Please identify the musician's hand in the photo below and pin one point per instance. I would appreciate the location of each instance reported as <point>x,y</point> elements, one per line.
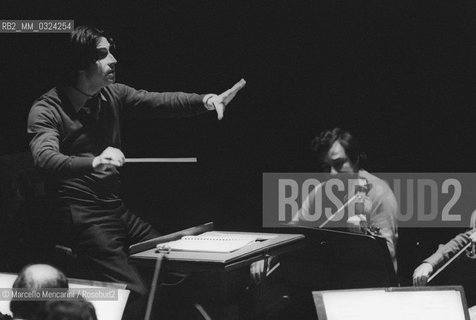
<point>109,157</point>
<point>472,236</point>
<point>354,224</point>
<point>257,271</point>
<point>219,102</point>
<point>421,274</point>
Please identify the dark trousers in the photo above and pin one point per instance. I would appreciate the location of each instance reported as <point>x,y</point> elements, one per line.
<point>101,238</point>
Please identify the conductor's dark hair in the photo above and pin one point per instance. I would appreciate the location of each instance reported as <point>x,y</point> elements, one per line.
<point>80,52</point>
<point>322,143</point>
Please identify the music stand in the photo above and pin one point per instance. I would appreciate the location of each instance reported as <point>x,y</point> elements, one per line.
<point>332,259</point>
<point>409,303</point>
<point>219,280</point>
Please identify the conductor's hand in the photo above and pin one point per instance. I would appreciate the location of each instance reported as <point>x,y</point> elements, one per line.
<point>219,102</point>
<point>109,157</point>
<point>421,274</point>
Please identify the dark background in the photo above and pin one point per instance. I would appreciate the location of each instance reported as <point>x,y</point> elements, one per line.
<point>398,74</point>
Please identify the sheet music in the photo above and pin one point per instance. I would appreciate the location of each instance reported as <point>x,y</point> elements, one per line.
<point>213,241</point>
<point>381,304</point>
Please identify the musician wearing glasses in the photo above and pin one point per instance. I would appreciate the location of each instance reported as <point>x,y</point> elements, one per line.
<point>76,142</point>
<point>338,152</point>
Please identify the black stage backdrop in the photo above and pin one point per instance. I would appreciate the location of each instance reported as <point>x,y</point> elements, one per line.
<point>398,74</point>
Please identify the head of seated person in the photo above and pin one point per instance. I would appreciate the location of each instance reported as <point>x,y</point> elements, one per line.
<point>77,309</point>
<point>338,152</point>
<point>36,276</point>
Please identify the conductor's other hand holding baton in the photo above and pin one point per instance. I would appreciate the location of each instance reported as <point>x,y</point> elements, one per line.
<point>109,157</point>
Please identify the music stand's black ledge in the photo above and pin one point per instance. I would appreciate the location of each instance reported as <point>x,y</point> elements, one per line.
<point>144,253</point>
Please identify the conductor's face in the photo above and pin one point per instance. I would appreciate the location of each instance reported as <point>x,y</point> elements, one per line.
<point>338,160</point>
<point>102,72</point>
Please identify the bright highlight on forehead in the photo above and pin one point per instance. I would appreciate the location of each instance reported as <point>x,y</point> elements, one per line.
<point>337,151</point>
<point>103,43</point>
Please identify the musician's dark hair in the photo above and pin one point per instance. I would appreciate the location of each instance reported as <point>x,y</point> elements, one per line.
<point>80,52</point>
<point>322,143</point>
<point>74,309</point>
<point>29,280</point>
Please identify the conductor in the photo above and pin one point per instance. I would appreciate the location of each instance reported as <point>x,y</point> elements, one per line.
<point>75,133</point>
